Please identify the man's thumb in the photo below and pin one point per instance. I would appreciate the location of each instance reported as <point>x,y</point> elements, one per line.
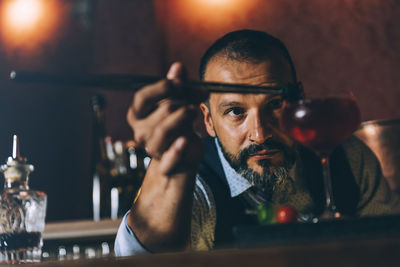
<point>176,71</point>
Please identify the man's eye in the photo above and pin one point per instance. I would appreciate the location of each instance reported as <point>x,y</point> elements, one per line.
<point>234,111</point>
<point>275,103</point>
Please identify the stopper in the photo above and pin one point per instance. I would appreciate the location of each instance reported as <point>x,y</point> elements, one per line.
<point>16,164</point>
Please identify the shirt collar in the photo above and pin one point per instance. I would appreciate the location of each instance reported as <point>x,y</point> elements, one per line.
<point>237,183</point>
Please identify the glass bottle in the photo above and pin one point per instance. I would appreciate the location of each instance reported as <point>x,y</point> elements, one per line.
<point>100,163</point>
<point>136,173</point>
<point>127,176</point>
<point>22,212</point>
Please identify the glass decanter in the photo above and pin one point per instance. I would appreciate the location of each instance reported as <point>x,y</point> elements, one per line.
<point>22,212</point>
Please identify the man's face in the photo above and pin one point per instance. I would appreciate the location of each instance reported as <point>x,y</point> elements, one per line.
<point>247,125</point>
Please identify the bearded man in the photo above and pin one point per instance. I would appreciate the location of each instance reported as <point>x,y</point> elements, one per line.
<point>196,190</point>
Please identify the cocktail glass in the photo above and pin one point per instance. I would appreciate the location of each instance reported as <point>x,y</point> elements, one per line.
<point>321,124</point>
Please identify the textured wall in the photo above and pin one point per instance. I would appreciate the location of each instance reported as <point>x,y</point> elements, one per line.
<point>338,44</point>
<point>125,41</point>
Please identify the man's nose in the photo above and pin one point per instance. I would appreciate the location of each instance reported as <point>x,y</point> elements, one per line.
<point>259,130</point>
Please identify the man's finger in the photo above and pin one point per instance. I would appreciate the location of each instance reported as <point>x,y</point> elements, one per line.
<point>143,129</point>
<point>173,155</point>
<point>177,71</point>
<point>177,123</point>
<point>147,98</point>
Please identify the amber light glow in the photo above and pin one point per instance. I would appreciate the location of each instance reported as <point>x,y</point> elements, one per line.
<point>215,5</point>
<point>216,2</point>
<point>214,14</point>
<point>26,23</point>
<point>24,14</point>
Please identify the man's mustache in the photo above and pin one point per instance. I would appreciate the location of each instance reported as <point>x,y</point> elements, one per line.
<point>269,144</point>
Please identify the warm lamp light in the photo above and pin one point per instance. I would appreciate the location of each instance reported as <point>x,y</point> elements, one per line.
<point>28,23</point>
<point>217,14</point>
<point>23,14</point>
<point>217,2</point>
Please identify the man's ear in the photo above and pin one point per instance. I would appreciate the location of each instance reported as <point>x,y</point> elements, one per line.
<point>208,120</point>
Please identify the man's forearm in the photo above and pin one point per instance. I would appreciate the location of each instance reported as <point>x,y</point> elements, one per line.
<point>161,217</point>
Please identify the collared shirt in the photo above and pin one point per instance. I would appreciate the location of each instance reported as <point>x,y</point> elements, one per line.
<point>237,183</point>
<point>203,215</point>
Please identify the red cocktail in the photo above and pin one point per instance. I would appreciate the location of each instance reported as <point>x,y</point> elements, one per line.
<point>321,124</point>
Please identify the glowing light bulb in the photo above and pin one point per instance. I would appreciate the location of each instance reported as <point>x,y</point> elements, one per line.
<point>217,2</point>
<point>27,24</point>
<point>24,14</point>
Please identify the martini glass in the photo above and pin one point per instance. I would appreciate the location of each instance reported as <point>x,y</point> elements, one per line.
<point>321,124</point>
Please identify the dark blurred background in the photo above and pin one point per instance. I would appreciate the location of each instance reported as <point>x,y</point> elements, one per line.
<point>338,44</point>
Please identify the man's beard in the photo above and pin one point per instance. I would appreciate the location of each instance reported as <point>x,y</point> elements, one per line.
<point>271,176</point>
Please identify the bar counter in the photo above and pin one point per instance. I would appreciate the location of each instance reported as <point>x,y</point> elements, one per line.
<point>369,241</point>
<point>377,252</point>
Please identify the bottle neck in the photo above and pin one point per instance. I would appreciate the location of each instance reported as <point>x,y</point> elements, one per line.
<point>21,184</point>
<point>99,135</point>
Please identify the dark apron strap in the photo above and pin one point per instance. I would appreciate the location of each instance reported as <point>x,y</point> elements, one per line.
<point>230,211</point>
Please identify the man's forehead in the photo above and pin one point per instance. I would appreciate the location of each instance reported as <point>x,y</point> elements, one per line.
<point>269,72</point>
<point>227,99</point>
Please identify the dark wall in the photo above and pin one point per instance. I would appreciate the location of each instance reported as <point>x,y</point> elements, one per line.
<point>352,45</point>
<point>126,40</point>
<point>54,123</point>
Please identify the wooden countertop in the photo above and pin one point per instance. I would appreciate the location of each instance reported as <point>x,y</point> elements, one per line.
<point>377,252</point>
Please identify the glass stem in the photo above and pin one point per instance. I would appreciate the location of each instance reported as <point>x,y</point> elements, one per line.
<point>330,208</point>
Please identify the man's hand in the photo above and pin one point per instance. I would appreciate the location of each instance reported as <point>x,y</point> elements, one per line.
<point>161,117</point>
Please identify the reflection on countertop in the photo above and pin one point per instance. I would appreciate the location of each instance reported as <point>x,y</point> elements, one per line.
<point>79,239</point>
